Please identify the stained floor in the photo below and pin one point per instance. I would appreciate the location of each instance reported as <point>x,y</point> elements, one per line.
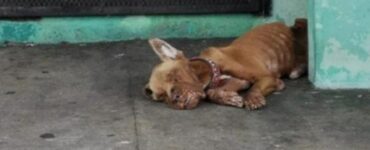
<point>89,96</point>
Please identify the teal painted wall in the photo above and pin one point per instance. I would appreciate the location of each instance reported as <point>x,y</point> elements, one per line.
<point>340,48</point>
<point>99,29</point>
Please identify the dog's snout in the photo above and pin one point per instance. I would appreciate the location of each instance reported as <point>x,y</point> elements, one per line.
<point>147,91</point>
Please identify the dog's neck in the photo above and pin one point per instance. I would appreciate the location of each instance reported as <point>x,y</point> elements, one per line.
<point>207,72</point>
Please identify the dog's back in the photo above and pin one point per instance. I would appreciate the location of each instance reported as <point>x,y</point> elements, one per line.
<point>268,49</point>
<point>270,45</point>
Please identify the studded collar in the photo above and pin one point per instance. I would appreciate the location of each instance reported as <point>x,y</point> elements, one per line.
<point>216,72</point>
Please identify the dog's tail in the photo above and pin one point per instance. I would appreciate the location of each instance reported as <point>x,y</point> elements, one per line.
<point>300,24</point>
<point>300,32</point>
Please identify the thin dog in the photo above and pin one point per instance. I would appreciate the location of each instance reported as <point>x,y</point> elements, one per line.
<point>257,60</point>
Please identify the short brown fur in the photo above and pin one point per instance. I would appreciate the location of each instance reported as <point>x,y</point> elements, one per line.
<point>259,58</point>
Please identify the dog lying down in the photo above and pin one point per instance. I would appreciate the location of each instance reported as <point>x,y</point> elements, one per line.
<point>257,60</point>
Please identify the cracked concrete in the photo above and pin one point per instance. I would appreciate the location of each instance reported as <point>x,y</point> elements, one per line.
<point>88,96</point>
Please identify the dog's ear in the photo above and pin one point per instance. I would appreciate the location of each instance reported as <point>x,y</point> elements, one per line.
<point>164,50</point>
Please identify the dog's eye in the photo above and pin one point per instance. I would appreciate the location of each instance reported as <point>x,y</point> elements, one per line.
<point>172,78</point>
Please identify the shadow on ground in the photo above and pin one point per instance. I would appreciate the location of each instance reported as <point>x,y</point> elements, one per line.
<point>89,97</point>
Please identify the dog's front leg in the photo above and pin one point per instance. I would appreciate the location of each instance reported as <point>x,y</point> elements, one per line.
<point>264,86</point>
<point>227,94</point>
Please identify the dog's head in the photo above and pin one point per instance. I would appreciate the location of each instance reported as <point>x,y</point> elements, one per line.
<point>174,80</point>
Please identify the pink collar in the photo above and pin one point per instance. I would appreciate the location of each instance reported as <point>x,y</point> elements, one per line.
<point>216,72</point>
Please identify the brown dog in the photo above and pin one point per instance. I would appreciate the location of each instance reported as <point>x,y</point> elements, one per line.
<point>259,58</point>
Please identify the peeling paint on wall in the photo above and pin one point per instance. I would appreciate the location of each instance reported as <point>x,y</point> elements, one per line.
<point>288,10</point>
<point>341,65</point>
<point>341,38</point>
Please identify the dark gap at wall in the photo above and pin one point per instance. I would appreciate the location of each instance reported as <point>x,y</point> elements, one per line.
<point>38,8</point>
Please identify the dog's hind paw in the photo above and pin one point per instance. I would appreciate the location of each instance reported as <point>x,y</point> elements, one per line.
<point>298,71</point>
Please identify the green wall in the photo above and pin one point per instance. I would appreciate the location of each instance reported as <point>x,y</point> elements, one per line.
<point>98,29</point>
<point>340,48</point>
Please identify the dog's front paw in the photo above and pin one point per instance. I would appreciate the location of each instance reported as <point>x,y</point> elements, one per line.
<point>226,98</point>
<point>232,99</point>
<point>254,100</point>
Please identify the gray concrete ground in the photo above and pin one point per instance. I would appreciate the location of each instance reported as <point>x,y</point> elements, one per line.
<point>88,97</point>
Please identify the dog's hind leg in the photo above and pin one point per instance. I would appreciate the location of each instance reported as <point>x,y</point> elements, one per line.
<point>298,71</point>
<point>233,84</point>
<point>227,94</point>
<point>263,87</point>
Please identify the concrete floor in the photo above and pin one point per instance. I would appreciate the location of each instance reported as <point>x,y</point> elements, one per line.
<point>88,97</point>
